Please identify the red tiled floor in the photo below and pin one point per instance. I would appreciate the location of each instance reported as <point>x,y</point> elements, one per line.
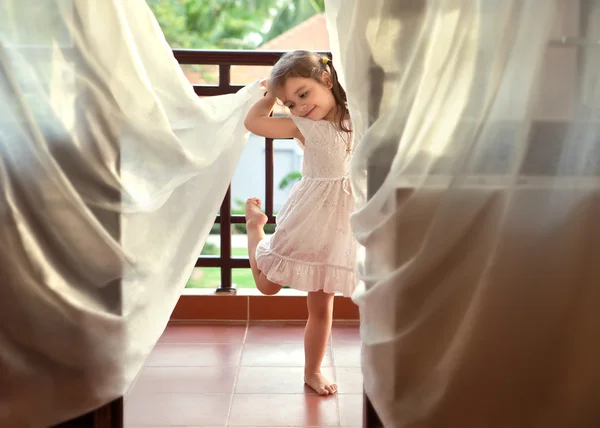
<point>177,409</point>
<point>346,354</point>
<point>176,354</point>
<point>275,333</point>
<point>350,380</point>
<point>277,355</point>
<point>351,409</point>
<point>345,333</point>
<point>202,333</point>
<point>282,410</point>
<point>190,376</point>
<point>186,380</point>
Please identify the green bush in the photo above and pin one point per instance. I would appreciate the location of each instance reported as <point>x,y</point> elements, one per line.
<point>210,249</point>
<point>238,228</point>
<point>290,179</point>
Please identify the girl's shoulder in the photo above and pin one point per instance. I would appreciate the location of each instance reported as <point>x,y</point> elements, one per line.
<point>314,128</point>
<point>304,125</point>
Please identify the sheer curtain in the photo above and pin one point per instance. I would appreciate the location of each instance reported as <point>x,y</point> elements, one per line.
<point>476,175</point>
<point>112,172</point>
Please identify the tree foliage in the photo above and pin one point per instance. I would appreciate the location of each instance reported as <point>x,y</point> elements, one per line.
<point>290,179</point>
<point>229,24</point>
<point>291,13</point>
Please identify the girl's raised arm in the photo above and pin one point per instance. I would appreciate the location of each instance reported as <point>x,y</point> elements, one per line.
<point>260,123</point>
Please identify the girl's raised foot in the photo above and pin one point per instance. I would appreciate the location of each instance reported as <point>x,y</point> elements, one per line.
<point>254,216</point>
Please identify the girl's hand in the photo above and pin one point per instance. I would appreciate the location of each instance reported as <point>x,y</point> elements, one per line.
<point>264,83</point>
<point>259,122</point>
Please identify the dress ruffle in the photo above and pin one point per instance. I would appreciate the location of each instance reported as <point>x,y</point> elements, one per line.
<point>305,276</point>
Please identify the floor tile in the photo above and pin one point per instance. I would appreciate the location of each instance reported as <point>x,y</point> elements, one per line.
<point>274,380</point>
<point>185,380</point>
<point>345,333</point>
<point>346,354</point>
<point>349,379</point>
<point>177,409</point>
<point>283,410</point>
<point>175,354</point>
<point>275,333</point>
<point>280,355</point>
<point>351,409</point>
<point>204,333</point>
<point>189,376</point>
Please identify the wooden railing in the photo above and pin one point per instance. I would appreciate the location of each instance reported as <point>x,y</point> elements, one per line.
<point>225,60</point>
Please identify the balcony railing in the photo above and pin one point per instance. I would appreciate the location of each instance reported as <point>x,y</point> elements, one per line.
<point>225,60</point>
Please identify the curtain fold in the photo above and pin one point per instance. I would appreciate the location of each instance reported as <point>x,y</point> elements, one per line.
<point>112,172</point>
<point>476,175</point>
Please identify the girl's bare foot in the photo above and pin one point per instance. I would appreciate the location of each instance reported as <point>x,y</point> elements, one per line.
<point>254,216</point>
<point>255,221</point>
<point>320,384</point>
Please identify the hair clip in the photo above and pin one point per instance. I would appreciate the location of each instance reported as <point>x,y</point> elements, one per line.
<point>325,60</point>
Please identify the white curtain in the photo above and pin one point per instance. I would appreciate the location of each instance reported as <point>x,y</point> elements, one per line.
<point>111,175</point>
<point>477,176</point>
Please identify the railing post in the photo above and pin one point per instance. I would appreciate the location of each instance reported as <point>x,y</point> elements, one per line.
<point>269,184</point>
<point>224,76</point>
<point>225,232</point>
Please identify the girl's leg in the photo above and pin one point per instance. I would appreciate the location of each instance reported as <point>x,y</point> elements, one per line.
<point>255,222</point>
<point>316,336</point>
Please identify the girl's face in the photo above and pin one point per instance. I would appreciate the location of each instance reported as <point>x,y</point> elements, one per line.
<point>308,98</point>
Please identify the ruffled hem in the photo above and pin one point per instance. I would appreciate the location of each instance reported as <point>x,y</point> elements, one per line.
<point>305,276</point>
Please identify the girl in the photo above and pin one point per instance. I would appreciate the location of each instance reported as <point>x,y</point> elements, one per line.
<point>312,248</point>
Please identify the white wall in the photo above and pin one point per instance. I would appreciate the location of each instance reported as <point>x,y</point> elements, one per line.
<point>249,178</point>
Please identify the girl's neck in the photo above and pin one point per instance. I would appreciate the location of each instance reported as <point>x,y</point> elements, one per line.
<point>334,115</point>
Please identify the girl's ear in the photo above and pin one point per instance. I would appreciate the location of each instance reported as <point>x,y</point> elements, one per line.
<point>326,80</point>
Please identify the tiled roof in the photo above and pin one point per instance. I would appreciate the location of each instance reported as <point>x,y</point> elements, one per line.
<point>311,35</point>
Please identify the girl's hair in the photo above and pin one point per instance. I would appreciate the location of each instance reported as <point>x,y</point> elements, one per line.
<point>311,65</point>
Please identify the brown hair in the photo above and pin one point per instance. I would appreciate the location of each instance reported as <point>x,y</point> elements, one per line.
<point>311,65</point>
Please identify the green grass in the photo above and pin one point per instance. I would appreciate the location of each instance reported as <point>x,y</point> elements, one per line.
<point>243,278</point>
<point>235,252</point>
<point>211,277</point>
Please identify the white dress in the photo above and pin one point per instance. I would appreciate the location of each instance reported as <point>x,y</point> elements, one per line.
<point>313,247</point>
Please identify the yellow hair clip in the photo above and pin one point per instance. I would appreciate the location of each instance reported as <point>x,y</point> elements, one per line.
<point>325,60</point>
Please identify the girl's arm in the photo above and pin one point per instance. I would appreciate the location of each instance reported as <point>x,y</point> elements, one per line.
<point>260,123</point>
